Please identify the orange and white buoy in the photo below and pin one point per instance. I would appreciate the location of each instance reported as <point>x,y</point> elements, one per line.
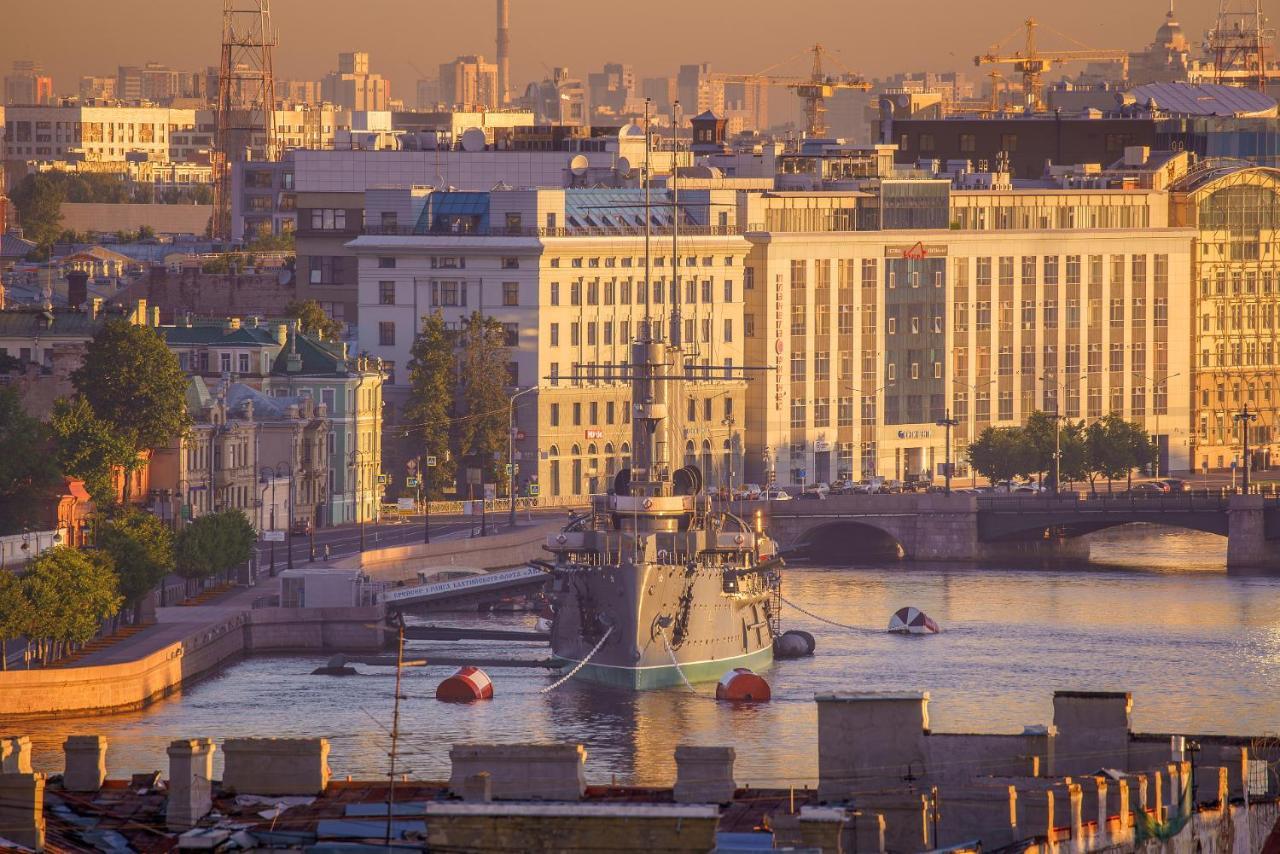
<point>468,684</point>
<point>742,685</point>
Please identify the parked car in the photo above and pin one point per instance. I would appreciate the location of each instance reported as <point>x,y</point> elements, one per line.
<point>840,487</point>
<point>1176,484</point>
<point>813,495</point>
<point>775,495</point>
<point>302,527</point>
<point>822,488</point>
<point>747,492</point>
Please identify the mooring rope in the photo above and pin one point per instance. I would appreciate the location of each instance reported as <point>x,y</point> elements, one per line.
<point>671,652</point>
<point>579,666</point>
<point>821,619</point>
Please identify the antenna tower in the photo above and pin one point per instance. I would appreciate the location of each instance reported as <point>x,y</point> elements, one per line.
<point>246,99</point>
<point>1238,43</point>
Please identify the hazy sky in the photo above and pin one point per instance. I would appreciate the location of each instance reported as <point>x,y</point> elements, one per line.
<point>74,37</point>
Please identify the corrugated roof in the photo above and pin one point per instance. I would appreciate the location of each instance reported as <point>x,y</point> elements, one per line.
<point>605,208</point>
<point>1207,99</point>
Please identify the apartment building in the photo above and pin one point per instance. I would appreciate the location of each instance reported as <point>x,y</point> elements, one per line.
<point>564,272</point>
<point>96,133</point>
<point>981,305</point>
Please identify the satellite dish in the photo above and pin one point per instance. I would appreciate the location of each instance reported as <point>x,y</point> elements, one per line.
<point>578,165</point>
<point>473,140</point>
<point>623,167</point>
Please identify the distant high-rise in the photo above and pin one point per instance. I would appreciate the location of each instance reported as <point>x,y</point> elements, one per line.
<point>27,84</point>
<point>504,53</point>
<point>469,83</point>
<point>354,87</point>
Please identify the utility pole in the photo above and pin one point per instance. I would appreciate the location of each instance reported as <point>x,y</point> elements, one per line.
<point>511,452</point>
<point>395,728</point>
<point>948,422</point>
<point>1245,417</point>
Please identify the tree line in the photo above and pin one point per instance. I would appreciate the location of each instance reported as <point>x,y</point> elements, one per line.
<point>1109,448</point>
<point>457,407</point>
<point>130,398</point>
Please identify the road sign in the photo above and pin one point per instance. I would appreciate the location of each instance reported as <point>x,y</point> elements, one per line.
<point>411,482</point>
<point>382,480</point>
<point>533,489</point>
<point>431,461</point>
<point>519,435</point>
<point>273,536</point>
<point>490,491</point>
<point>411,465</point>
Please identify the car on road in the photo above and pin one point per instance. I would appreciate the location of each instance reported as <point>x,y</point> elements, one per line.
<point>1147,489</point>
<point>302,527</point>
<point>1176,484</point>
<point>813,495</point>
<point>775,495</point>
<point>822,488</point>
<point>747,492</point>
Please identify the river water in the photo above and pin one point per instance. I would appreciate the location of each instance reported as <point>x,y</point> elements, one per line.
<point>1153,612</point>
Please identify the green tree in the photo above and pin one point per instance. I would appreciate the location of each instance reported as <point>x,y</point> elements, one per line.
<point>27,472</point>
<point>39,199</point>
<point>429,408</point>
<point>15,616</point>
<point>1110,448</point>
<point>134,383</point>
<point>141,549</point>
<point>264,241</point>
<point>313,320</point>
<point>481,428</point>
<point>88,448</point>
<point>214,544</point>
<point>1002,453</point>
<point>69,593</point>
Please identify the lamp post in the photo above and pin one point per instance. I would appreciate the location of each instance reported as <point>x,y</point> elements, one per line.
<point>728,422</point>
<point>288,471</point>
<point>1245,418</point>
<point>948,422</point>
<point>1057,433</point>
<point>1155,384</point>
<point>511,452</point>
<point>358,464</point>
<point>271,518</point>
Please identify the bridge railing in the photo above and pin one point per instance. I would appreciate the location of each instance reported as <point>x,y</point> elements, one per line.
<point>1102,503</point>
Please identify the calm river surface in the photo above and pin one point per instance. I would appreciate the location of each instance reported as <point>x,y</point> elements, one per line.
<point>1153,613</point>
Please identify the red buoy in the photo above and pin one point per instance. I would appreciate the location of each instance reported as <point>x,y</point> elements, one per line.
<point>469,683</point>
<point>742,685</point>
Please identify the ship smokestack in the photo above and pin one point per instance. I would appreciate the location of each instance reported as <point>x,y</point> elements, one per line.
<point>504,53</point>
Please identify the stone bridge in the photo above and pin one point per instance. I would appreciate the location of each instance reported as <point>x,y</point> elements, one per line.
<point>992,528</point>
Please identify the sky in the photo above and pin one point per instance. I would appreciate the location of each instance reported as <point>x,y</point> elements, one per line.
<point>408,40</point>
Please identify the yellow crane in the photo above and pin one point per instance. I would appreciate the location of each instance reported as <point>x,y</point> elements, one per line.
<point>814,89</point>
<point>1032,63</point>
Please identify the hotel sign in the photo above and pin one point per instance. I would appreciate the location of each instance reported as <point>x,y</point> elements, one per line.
<point>916,251</point>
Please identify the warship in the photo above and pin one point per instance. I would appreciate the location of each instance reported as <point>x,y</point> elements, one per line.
<point>656,585</point>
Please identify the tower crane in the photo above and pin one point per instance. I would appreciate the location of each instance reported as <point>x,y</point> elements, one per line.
<point>813,90</point>
<point>1032,63</point>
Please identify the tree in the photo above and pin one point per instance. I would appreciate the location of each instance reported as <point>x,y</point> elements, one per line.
<point>481,429</point>
<point>141,549</point>
<point>429,408</point>
<point>134,383</point>
<point>213,544</point>
<point>1002,453</point>
<point>27,472</point>
<point>88,448</point>
<point>313,320</point>
<point>69,594</point>
<point>15,616</point>
<point>39,198</point>
<point>1109,442</point>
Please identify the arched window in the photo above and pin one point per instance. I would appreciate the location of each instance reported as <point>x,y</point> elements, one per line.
<point>706,461</point>
<point>610,461</point>
<point>553,469</point>
<point>690,456</point>
<point>576,464</point>
<point>626,455</point>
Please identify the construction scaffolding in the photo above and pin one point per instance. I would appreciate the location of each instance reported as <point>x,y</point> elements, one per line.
<point>246,99</point>
<point>1238,42</point>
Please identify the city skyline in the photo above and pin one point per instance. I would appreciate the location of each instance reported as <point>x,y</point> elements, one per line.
<point>100,38</point>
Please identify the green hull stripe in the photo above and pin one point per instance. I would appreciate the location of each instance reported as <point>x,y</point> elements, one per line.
<point>643,679</point>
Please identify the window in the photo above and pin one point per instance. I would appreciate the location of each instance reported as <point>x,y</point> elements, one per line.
<point>728,329</point>
<point>555,293</point>
<point>328,219</point>
<point>749,278</point>
<point>575,293</point>
<point>968,142</point>
<point>244,363</point>
<point>749,325</point>
<point>511,334</point>
<point>511,263</point>
<point>510,293</point>
<point>386,263</point>
<point>386,293</point>
<point>577,414</point>
<point>387,333</point>
<point>553,415</point>
<point>728,290</point>
<point>555,335</point>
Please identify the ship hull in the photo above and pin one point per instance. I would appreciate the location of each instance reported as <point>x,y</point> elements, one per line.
<point>666,620</point>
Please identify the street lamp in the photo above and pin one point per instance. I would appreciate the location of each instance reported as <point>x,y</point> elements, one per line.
<point>511,453</point>
<point>1057,431</point>
<point>1245,417</point>
<point>728,422</point>
<point>948,422</point>
<point>358,464</point>
<point>288,471</point>
<point>1155,384</point>
<point>269,473</point>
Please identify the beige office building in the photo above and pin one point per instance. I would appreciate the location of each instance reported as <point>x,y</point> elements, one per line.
<point>1058,300</point>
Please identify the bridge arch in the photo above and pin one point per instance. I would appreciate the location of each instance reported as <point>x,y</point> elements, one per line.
<point>849,541</point>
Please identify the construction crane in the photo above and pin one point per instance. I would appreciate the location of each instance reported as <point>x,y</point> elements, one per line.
<point>1032,63</point>
<point>813,90</point>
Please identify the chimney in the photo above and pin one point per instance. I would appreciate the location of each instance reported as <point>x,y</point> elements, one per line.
<point>77,288</point>
<point>95,307</point>
<point>140,313</point>
<point>504,53</point>
<point>282,334</point>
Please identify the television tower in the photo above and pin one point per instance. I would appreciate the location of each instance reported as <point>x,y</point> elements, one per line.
<point>246,99</point>
<point>1238,43</point>
<point>504,53</point>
